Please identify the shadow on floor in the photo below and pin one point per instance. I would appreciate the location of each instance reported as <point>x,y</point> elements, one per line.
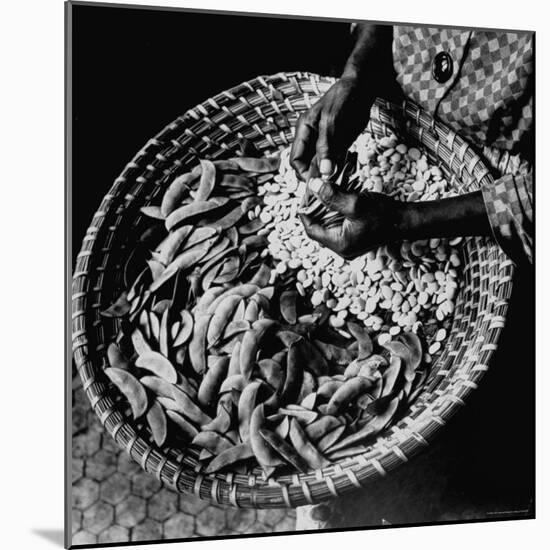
<point>57,536</point>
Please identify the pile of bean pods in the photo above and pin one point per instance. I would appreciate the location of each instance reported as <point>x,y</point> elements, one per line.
<point>225,353</point>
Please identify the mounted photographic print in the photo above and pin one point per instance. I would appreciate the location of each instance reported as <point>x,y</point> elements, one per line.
<point>302,274</point>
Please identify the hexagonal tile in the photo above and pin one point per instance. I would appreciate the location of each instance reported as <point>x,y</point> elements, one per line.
<point>101,465</point>
<point>84,537</point>
<point>115,488</point>
<point>93,421</point>
<point>126,465</point>
<point>145,485</point>
<point>79,418</point>
<point>163,505</point>
<point>148,530</point>
<point>191,504</point>
<point>130,511</point>
<point>240,520</point>
<point>86,444</point>
<point>77,467</point>
<point>79,397</point>
<point>76,520</point>
<point>288,523</point>
<point>98,517</point>
<point>85,492</point>
<point>211,521</point>
<point>179,526</point>
<point>109,444</point>
<point>272,516</point>
<point>115,533</point>
<point>260,528</point>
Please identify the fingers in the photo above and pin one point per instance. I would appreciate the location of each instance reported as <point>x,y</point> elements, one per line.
<point>303,146</point>
<point>314,133</point>
<point>325,142</point>
<point>339,238</point>
<point>334,198</point>
<point>326,236</point>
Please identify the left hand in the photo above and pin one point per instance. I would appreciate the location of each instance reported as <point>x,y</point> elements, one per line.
<point>370,220</point>
<point>328,128</point>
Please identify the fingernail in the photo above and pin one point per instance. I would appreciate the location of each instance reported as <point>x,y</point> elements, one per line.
<point>315,184</point>
<point>325,167</point>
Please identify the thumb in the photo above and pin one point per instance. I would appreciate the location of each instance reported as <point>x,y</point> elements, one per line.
<point>333,197</point>
<point>324,146</point>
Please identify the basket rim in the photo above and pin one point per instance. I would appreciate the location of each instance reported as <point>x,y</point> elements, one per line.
<point>357,469</point>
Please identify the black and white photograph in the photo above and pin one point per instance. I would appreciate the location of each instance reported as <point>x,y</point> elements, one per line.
<point>301,256</point>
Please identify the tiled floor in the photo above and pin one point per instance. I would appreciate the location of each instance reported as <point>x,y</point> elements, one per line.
<point>114,500</point>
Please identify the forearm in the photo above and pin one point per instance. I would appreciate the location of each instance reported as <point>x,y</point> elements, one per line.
<point>370,62</point>
<point>460,216</point>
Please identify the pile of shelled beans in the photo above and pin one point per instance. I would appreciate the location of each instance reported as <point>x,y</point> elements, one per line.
<point>395,288</point>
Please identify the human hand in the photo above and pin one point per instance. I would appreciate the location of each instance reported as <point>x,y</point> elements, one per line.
<point>330,126</point>
<point>367,220</point>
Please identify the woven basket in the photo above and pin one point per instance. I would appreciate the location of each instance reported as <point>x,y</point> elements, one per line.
<point>264,111</point>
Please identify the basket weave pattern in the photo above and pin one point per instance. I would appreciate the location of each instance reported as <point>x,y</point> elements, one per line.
<point>264,111</point>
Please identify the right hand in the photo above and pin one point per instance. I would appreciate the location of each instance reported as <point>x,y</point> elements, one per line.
<point>330,127</point>
<point>369,220</point>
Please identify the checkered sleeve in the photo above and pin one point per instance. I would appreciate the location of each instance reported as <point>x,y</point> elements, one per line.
<point>509,204</point>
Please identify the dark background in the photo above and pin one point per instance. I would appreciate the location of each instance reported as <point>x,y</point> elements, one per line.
<point>134,71</point>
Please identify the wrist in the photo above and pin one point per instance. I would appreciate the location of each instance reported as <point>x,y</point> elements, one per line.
<point>352,72</point>
<point>359,86</point>
<point>462,215</point>
<point>405,220</point>
<point>370,61</point>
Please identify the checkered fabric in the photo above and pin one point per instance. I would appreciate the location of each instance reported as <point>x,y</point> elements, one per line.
<point>492,100</point>
<point>414,49</point>
<point>488,99</point>
<point>509,206</point>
